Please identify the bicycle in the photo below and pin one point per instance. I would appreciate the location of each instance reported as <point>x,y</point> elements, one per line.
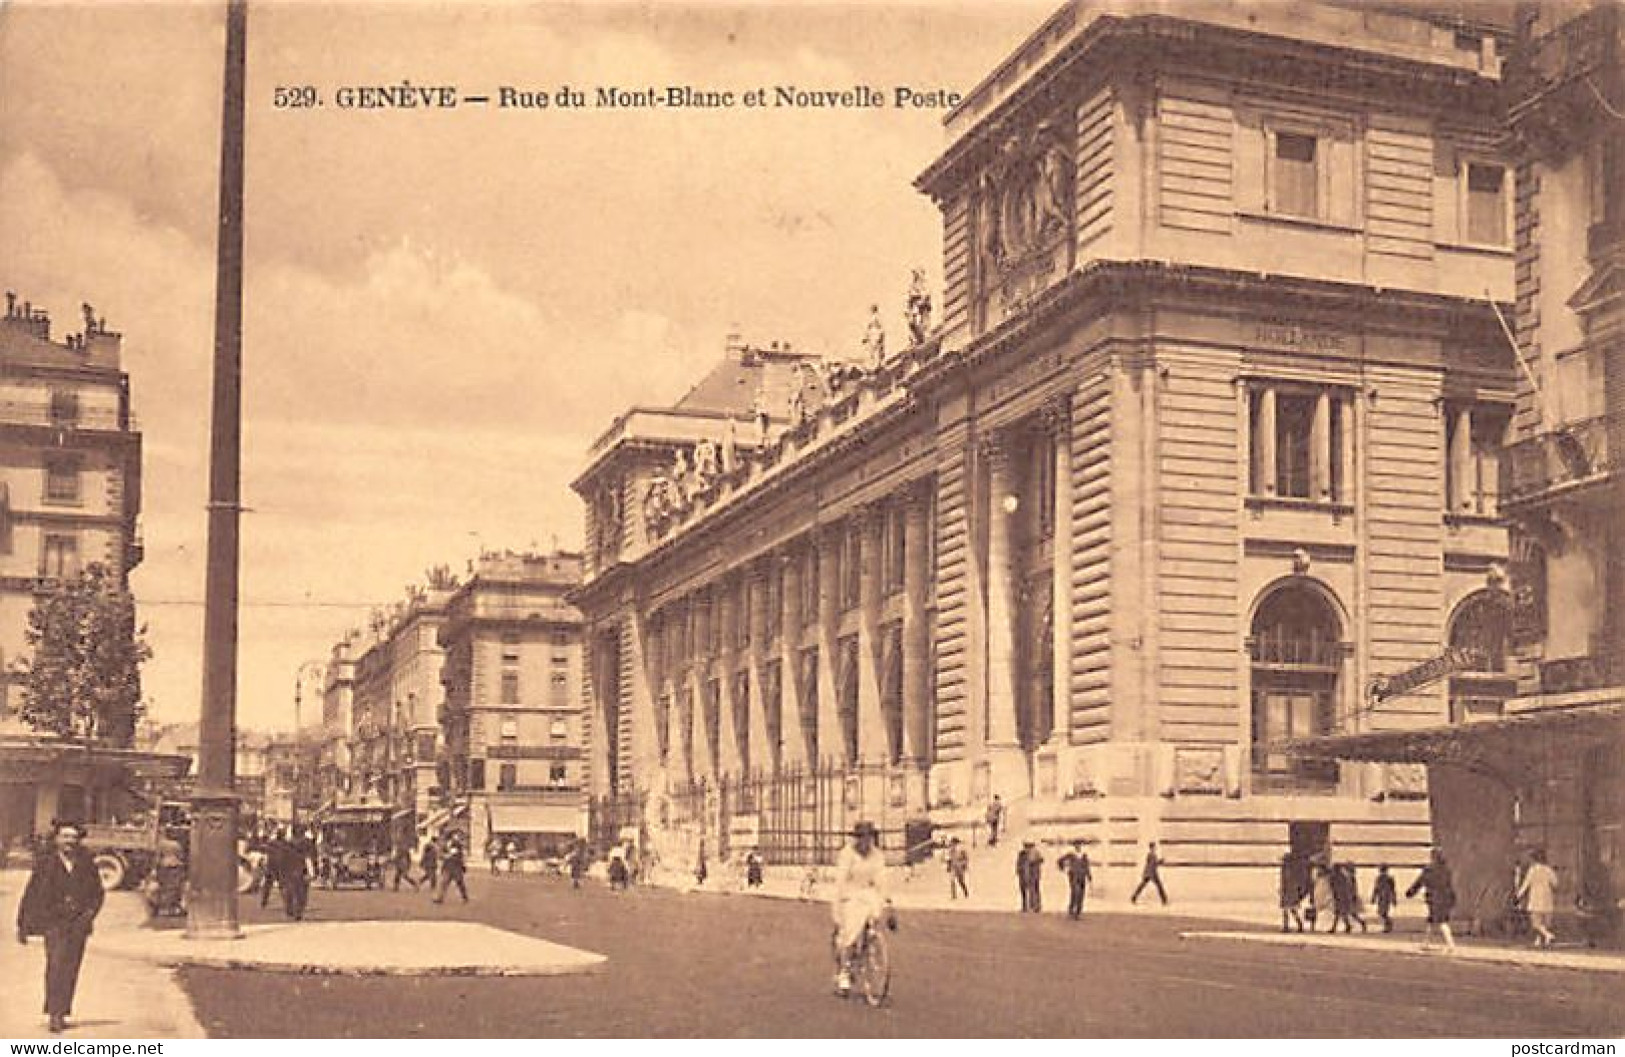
<point>870,962</point>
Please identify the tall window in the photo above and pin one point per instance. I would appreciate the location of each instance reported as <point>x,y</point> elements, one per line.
<point>851,577</point>
<point>1299,438</point>
<point>893,554</point>
<point>772,600</point>
<point>1294,174</point>
<point>742,613</point>
<point>741,716</point>
<point>810,587</point>
<point>510,688</point>
<point>1297,657</point>
<point>1041,471</point>
<point>61,479</point>
<point>476,774</point>
<point>558,690</point>
<point>1488,204</point>
<point>64,407</point>
<point>59,556</point>
<point>1294,421</point>
<point>507,777</point>
<point>809,701</point>
<point>510,647</point>
<point>846,701</point>
<point>1475,437</point>
<point>773,707</point>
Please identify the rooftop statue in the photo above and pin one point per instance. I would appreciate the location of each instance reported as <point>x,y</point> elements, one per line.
<point>918,309</point>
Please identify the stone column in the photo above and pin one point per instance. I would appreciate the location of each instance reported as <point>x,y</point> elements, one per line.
<point>916,647</point>
<point>1264,442</point>
<point>1004,754</point>
<point>1461,462</point>
<point>831,738</point>
<point>726,610</point>
<point>874,741</point>
<point>1345,452</point>
<point>793,743</point>
<point>1060,422</point>
<point>763,754</point>
<point>1320,449</point>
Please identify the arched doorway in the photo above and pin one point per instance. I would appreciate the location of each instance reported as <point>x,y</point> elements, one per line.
<point>1481,628</point>
<point>1297,660</point>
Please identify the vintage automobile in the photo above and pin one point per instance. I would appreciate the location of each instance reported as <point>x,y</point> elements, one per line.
<point>354,845</point>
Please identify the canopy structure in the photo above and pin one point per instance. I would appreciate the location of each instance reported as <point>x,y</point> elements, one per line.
<point>1504,746</point>
<point>536,818</point>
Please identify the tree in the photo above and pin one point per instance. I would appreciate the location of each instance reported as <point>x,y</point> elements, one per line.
<point>84,680</point>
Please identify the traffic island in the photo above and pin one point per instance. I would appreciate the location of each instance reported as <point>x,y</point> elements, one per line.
<point>360,948</point>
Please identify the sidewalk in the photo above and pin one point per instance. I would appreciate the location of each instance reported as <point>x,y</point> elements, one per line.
<point>929,891</point>
<point>117,999</point>
<point>1468,950</point>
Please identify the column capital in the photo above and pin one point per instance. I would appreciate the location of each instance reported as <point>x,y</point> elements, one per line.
<point>994,447</point>
<point>1055,416</point>
<point>915,496</point>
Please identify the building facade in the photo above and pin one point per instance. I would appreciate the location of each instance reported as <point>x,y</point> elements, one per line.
<point>395,714</point>
<point>513,758</point>
<point>1206,443</point>
<point>1547,776</point>
<point>70,495</point>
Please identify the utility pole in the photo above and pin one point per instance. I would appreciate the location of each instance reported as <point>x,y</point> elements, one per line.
<point>212,878</point>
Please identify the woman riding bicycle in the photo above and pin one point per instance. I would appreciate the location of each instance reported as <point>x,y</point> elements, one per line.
<point>861,895</point>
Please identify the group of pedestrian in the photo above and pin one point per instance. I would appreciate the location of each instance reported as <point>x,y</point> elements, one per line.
<point>1313,888</point>
<point>286,861</point>
<point>501,853</point>
<point>443,865</point>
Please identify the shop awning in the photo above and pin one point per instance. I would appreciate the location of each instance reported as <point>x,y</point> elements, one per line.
<point>1457,742</point>
<point>536,818</point>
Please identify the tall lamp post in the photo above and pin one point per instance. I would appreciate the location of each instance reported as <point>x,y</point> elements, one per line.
<point>212,870</point>
<point>308,668</point>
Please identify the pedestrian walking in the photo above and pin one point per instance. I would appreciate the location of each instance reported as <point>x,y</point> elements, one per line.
<point>295,875</point>
<point>1075,864</point>
<point>1384,894</point>
<point>1538,891</point>
<point>995,820</point>
<point>1294,883</point>
<point>1322,905</point>
<point>578,862</point>
<point>1029,874</point>
<point>430,863</point>
<point>452,868</point>
<point>753,869</point>
<point>403,868</point>
<point>510,851</point>
<point>275,855</point>
<point>1151,874</point>
<point>958,869</point>
<point>1439,891</point>
<point>1345,897</point>
<point>617,869</point>
<point>60,902</point>
<point>493,854</point>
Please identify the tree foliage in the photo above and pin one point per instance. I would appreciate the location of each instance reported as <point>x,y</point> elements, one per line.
<point>84,680</point>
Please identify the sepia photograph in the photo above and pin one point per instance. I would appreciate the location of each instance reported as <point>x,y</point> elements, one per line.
<point>860,519</point>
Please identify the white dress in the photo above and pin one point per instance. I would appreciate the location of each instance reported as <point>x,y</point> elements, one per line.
<point>1539,888</point>
<point>860,892</point>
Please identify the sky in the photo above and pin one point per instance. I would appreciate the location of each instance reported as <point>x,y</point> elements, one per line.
<point>444,307</point>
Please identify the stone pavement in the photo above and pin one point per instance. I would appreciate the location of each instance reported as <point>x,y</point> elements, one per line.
<point>1466,950</point>
<point>362,948</point>
<point>115,999</point>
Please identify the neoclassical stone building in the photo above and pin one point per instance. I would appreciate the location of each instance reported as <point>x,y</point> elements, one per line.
<point>1205,443</point>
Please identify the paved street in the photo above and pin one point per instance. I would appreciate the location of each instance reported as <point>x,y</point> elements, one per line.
<point>708,964</point>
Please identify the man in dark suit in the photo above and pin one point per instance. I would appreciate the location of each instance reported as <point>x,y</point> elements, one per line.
<point>63,897</point>
<point>1075,864</point>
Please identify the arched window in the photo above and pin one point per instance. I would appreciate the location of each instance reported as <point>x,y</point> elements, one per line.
<point>1482,628</point>
<point>1297,654</point>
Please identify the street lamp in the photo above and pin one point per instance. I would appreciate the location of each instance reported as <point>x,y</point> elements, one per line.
<point>308,667</point>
